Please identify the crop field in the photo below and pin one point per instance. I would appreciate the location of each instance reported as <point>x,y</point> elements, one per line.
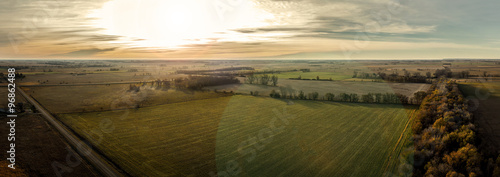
<point>481,88</point>
<point>310,138</point>
<point>485,99</point>
<point>107,97</point>
<point>335,87</point>
<point>300,138</point>
<point>168,140</point>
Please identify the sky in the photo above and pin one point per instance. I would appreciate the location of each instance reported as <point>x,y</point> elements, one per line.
<point>249,29</point>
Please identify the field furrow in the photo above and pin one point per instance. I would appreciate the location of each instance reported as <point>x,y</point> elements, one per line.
<point>248,136</point>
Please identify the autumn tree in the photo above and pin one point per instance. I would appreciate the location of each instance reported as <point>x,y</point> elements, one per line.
<point>284,92</point>
<point>419,96</point>
<point>264,79</point>
<point>354,97</point>
<point>329,96</point>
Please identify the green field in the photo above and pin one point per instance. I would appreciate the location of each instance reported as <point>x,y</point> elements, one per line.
<point>169,140</point>
<point>482,89</point>
<point>197,137</point>
<point>317,138</point>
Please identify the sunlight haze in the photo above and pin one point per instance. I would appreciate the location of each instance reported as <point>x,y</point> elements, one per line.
<point>253,29</point>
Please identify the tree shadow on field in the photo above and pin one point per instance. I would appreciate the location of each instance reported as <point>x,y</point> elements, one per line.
<point>264,86</point>
<point>287,101</point>
<point>186,91</point>
<point>308,103</point>
<point>318,103</point>
<point>375,105</point>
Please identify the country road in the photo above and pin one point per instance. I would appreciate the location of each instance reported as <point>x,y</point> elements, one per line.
<point>83,149</point>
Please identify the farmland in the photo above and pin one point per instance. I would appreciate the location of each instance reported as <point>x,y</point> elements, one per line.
<point>485,97</point>
<point>195,137</point>
<point>313,75</point>
<point>108,97</point>
<point>100,77</point>
<point>485,88</point>
<point>317,139</point>
<point>167,140</point>
<point>175,130</point>
<point>335,87</point>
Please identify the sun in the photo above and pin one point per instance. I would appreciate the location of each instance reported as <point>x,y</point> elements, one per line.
<point>155,23</point>
<point>173,23</point>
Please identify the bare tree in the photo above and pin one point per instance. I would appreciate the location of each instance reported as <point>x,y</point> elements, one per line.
<point>274,80</point>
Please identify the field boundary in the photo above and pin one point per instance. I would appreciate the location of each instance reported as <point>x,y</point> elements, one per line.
<point>84,84</point>
<point>399,140</point>
<point>142,106</point>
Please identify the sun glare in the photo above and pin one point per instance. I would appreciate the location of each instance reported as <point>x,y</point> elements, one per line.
<point>174,24</point>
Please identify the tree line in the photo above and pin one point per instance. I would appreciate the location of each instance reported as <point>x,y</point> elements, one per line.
<point>445,137</point>
<point>198,82</point>
<point>191,82</point>
<point>16,75</point>
<point>408,77</point>
<point>262,79</point>
<point>382,98</point>
<point>212,71</point>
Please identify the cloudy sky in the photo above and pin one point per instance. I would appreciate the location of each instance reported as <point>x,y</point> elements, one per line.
<point>240,29</point>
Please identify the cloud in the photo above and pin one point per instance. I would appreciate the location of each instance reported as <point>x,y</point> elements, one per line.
<point>393,26</point>
<point>337,19</point>
<point>57,28</point>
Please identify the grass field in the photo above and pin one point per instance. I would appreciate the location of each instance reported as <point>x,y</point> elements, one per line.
<point>481,88</point>
<point>335,87</point>
<point>197,137</point>
<point>97,77</point>
<point>320,139</point>
<point>312,75</point>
